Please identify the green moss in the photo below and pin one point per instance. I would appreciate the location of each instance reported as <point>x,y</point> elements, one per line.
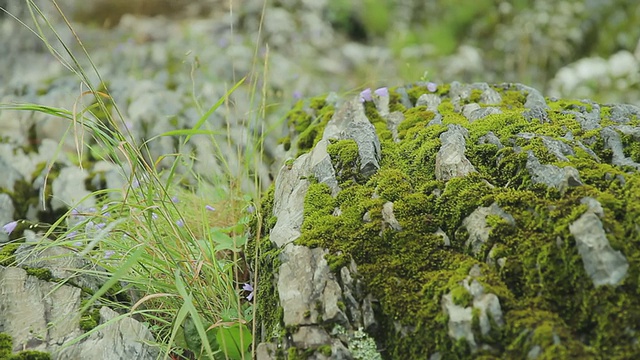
<point>546,297</point>
<point>6,348</point>
<point>306,124</point>
<point>325,350</point>
<point>475,96</point>
<point>30,355</point>
<point>565,104</point>
<point>90,319</point>
<point>418,116</point>
<point>461,296</point>
<point>345,157</point>
<point>513,99</point>
<point>268,313</point>
<point>7,257</point>
<point>6,345</point>
<point>40,273</point>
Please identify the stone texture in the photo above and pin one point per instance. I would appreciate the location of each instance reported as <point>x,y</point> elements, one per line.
<point>44,316</point>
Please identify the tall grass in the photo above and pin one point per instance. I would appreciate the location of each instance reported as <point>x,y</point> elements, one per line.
<point>169,255</point>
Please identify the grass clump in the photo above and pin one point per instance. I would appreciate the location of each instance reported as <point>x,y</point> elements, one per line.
<point>168,250</point>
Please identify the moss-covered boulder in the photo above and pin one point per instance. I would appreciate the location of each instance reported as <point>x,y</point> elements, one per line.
<point>454,222</point>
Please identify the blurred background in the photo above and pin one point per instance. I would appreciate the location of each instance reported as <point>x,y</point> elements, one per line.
<point>576,48</point>
<point>170,59</point>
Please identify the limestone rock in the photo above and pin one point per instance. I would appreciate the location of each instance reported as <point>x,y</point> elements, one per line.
<point>44,316</point>
<point>451,161</point>
<point>602,263</point>
<point>480,233</point>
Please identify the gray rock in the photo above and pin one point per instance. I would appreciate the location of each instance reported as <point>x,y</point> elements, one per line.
<point>474,112</point>
<point>476,225</point>
<point>6,215</point>
<point>350,122</point>
<point>431,101</point>
<point>404,97</point>
<point>69,189</point>
<point>393,120</point>
<point>43,316</point>
<point>489,96</point>
<point>603,264</point>
<point>537,113</point>
<point>622,113</point>
<point>613,142</point>
<point>558,148</point>
<point>588,120</point>
<point>451,161</point>
<point>389,217</point>
<point>460,321</point>
<point>304,281</point>
<point>121,338</point>
<point>534,98</point>
<point>62,262</point>
<point>551,175</point>
<point>490,138</point>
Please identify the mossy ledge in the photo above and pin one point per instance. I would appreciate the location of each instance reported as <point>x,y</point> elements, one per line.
<point>6,347</point>
<point>483,194</point>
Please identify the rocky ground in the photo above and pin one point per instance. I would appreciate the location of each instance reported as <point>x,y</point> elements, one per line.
<point>165,71</point>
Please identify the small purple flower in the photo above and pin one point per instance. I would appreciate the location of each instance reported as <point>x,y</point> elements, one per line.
<point>109,253</point>
<point>8,228</point>
<point>251,209</point>
<point>75,212</point>
<point>77,243</point>
<point>297,95</point>
<point>101,225</point>
<point>248,287</point>
<point>135,184</point>
<point>180,223</point>
<point>72,234</point>
<point>105,212</point>
<point>382,92</point>
<point>210,208</point>
<point>365,95</point>
<point>175,199</point>
<point>154,216</point>
<point>431,86</point>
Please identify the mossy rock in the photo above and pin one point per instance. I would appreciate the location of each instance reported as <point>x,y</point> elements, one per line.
<point>6,345</point>
<point>541,222</point>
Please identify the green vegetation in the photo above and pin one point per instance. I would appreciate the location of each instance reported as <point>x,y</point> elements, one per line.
<point>410,270</point>
<point>6,346</point>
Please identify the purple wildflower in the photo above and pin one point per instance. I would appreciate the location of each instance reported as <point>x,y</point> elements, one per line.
<point>248,287</point>
<point>109,253</point>
<point>210,208</point>
<point>101,225</point>
<point>180,223</point>
<point>365,95</point>
<point>175,199</point>
<point>431,86</point>
<point>382,92</point>
<point>251,209</point>
<point>154,216</point>
<point>77,243</point>
<point>8,228</point>
<point>297,95</point>
<point>105,211</point>
<point>72,234</point>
